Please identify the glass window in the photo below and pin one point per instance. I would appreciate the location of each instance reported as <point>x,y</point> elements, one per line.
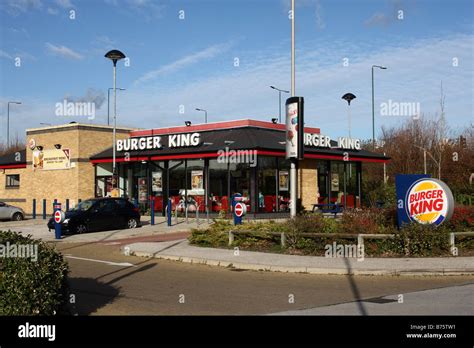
<point>351,188</point>
<point>283,184</point>
<point>323,181</point>
<point>158,184</point>
<point>107,206</point>
<point>267,184</point>
<point>13,180</point>
<point>177,181</point>
<point>104,169</point>
<point>84,205</point>
<point>195,184</point>
<point>337,182</point>
<point>218,190</point>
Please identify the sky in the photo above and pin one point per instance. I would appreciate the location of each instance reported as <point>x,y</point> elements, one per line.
<point>223,55</point>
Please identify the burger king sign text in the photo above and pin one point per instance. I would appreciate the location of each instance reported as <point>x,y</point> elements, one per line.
<point>428,201</point>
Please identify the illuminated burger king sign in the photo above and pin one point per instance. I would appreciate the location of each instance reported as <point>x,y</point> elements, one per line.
<point>429,201</point>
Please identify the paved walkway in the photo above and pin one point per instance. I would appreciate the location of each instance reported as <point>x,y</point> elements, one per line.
<point>37,229</point>
<point>181,251</point>
<point>451,300</point>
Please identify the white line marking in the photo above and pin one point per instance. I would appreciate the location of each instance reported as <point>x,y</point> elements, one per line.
<point>122,264</point>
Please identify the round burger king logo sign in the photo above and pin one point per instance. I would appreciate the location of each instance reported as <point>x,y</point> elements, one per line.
<point>429,201</point>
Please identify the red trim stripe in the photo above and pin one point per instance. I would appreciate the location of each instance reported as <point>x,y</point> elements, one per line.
<point>351,158</point>
<point>11,166</point>
<point>192,155</point>
<point>216,126</point>
<point>215,154</point>
<point>122,159</point>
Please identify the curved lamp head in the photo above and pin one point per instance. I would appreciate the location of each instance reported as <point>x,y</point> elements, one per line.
<point>348,97</point>
<point>114,55</point>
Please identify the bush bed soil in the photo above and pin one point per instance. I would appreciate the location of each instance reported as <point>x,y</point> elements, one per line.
<point>413,240</point>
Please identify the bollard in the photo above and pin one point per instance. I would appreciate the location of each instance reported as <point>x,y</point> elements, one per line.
<point>169,208</point>
<point>67,204</point>
<point>231,238</point>
<point>44,209</point>
<point>283,239</point>
<point>34,208</point>
<point>152,212</point>
<point>58,216</point>
<point>186,213</point>
<point>197,214</point>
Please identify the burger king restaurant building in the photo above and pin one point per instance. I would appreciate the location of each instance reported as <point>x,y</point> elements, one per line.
<point>197,166</point>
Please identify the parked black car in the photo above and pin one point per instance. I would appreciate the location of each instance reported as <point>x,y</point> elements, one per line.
<point>100,214</point>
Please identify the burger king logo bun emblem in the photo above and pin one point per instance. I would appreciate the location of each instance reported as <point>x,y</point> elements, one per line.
<point>429,201</point>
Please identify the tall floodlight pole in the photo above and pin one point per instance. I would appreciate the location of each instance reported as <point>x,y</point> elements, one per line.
<point>279,100</point>
<point>349,97</point>
<point>8,120</point>
<point>114,56</point>
<point>373,107</point>
<point>108,103</point>
<point>293,176</point>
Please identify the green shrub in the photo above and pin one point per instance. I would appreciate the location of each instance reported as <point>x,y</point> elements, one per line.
<point>363,221</point>
<point>421,240</point>
<point>35,285</point>
<point>412,240</point>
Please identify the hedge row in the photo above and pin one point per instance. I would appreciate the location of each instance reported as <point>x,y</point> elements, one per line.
<point>412,240</point>
<point>34,285</point>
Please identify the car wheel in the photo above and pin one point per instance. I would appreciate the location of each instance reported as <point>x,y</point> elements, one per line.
<point>81,228</point>
<point>132,223</point>
<point>17,217</point>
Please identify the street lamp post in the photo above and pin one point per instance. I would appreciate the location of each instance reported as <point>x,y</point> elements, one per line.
<point>108,103</point>
<point>114,56</point>
<point>8,120</point>
<point>279,100</point>
<point>373,107</point>
<point>349,97</point>
<point>293,173</point>
<point>205,114</point>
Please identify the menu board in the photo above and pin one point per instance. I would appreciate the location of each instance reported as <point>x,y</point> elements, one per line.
<point>197,179</point>
<point>157,181</point>
<point>283,180</point>
<point>142,190</point>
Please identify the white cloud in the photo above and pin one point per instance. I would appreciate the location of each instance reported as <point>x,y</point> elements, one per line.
<point>148,9</point>
<point>4,54</point>
<point>16,7</point>
<point>415,70</point>
<point>64,3</point>
<point>63,51</point>
<point>53,11</point>
<point>205,54</point>
<point>378,19</point>
<point>319,16</point>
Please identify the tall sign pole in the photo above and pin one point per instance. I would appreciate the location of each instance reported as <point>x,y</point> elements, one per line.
<point>293,178</point>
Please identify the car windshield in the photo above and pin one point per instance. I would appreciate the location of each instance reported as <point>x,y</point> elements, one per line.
<point>83,206</point>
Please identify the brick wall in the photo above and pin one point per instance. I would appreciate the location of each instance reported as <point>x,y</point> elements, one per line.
<point>74,183</point>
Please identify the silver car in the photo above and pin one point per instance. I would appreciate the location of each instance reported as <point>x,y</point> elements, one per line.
<point>9,212</point>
